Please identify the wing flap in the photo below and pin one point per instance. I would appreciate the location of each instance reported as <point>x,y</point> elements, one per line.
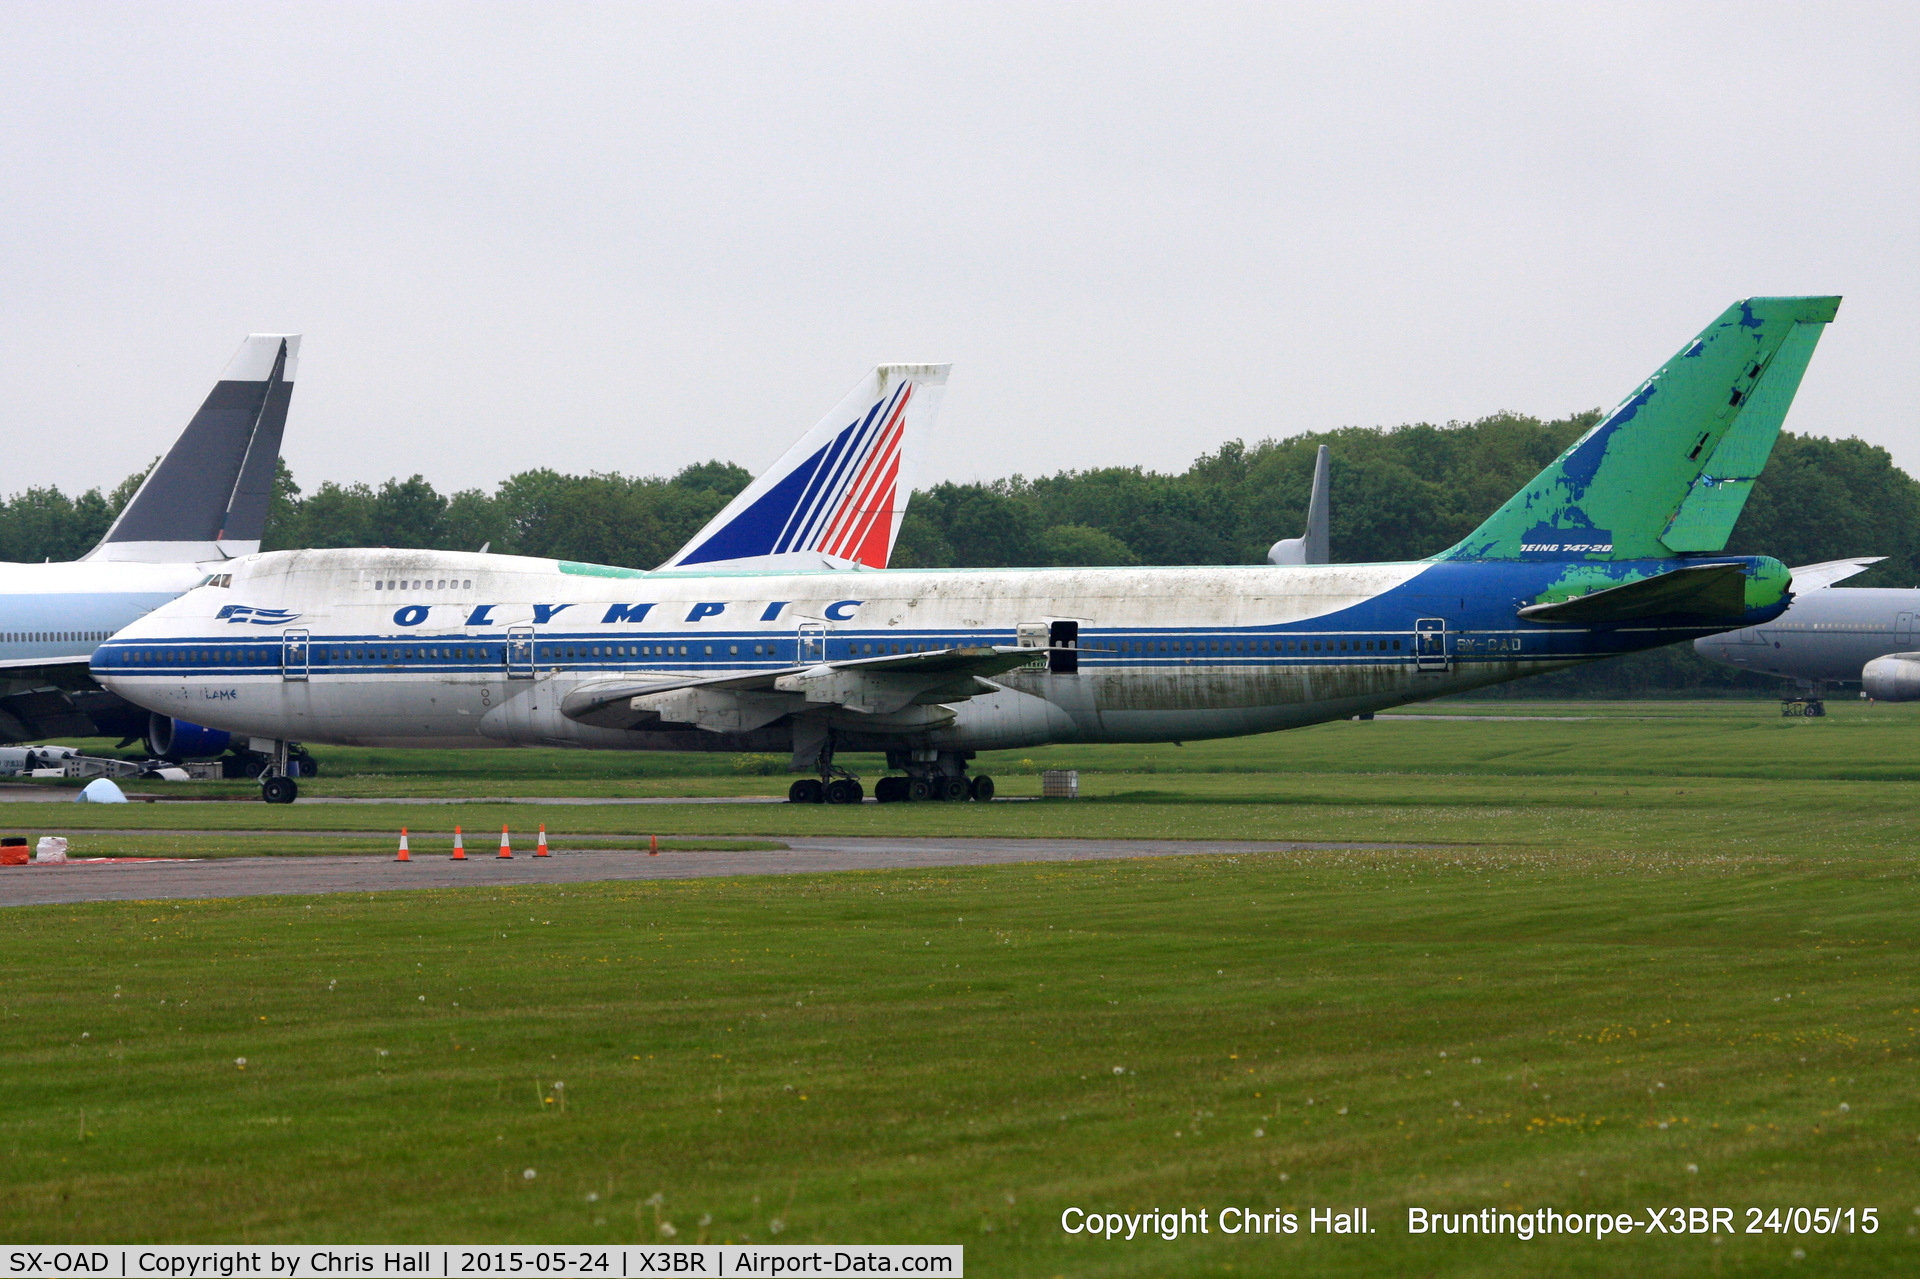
<point>869,685</point>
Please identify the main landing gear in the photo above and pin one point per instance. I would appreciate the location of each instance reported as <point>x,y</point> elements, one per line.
<point>1808,703</point>
<point>844,789</point>
<point>835,785</point>
<point>930,775</point>
<point>895,790</point>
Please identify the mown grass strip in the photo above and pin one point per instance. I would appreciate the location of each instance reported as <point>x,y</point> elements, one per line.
<point>960,1055</point>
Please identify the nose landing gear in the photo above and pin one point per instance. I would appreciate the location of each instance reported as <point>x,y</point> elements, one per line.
<point>284,762</point>
<point>1809,702</point>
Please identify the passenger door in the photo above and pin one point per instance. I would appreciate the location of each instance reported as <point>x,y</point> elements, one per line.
<point>1903,631</point>
<point>293,655</point>
<point>1063,647</point>
<point>813,643</point>
<point>520,652</point>
<point>1430,644</point>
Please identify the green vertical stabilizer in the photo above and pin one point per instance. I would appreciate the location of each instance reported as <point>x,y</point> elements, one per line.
<point>1718,494</point>
<point>1670,469</point>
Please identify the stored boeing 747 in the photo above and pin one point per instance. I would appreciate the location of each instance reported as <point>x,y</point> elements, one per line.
<point>1614,547</point>
<point>204,504</point>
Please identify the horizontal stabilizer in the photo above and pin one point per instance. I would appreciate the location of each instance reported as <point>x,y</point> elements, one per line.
<point>1814,577</point>
<point>836,498</point>
<point>1702,590</point>
<point>207,498</point>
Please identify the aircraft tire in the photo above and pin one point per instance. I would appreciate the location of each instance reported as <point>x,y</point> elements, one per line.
<point>919,788</point>
<point>890,790</point>
<point>844,790</point>
<point>806,791</point>
<point>981,788</point>
<point>954,788</point>
<point>279,790</point>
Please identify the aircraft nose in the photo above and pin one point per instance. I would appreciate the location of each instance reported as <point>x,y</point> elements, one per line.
<point>100,665</point>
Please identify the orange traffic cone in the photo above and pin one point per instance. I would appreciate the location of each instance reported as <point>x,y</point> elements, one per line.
<point>459,849</point>
<point>653,845</point>
<point>506,848</point>
<point>540,849</point>
<point>401,856</point>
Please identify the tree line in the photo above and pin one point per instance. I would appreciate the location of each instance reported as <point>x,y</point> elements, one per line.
<point>1398,493</point>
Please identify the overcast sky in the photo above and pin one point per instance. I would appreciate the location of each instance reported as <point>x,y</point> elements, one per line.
<point>630,237</point>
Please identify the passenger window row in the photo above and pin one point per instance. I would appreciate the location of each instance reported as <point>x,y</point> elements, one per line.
<point>200,656</point>
<point>55,637</point>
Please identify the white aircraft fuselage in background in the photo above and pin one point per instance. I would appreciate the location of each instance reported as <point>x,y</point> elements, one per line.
<point>65,610</point>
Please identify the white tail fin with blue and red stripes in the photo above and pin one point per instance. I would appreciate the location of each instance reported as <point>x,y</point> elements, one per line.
<point>835,499</point>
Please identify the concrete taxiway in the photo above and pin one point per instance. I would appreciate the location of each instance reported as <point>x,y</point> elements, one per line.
<point>296,875</point>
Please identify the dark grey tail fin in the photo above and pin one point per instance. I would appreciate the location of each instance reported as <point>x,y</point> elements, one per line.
<point>207,499</point>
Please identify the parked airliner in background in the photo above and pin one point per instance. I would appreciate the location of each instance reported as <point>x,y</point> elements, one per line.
<point>204,504</point>
<point>1614,547</point>
<point>833,502</point>
<point>1315,545</point>
<point>1863,635</point>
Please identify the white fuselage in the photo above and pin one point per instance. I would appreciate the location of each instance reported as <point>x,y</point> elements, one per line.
<point>421,648</point>
<point>51,612</point>
<point>1828,635</point>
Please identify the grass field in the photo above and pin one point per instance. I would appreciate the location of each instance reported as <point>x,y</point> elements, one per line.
<point>1740,738</point>
<point>1664,956</point>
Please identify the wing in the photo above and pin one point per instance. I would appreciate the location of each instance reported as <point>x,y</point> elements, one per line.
<point>58,697</point>
<point>872,686</point>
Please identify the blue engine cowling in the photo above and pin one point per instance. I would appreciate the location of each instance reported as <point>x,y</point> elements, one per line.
<point>176,739</point>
